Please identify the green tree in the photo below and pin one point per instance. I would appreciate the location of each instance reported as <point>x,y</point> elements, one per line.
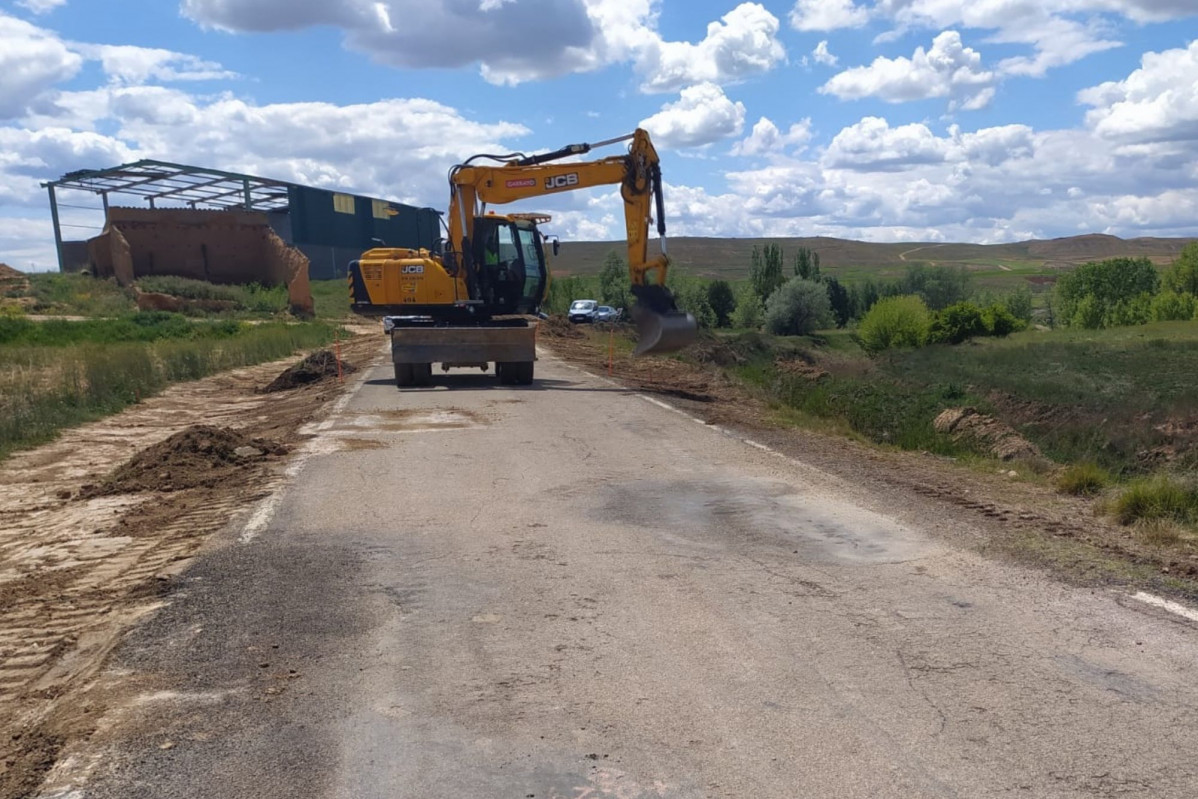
<point>939,287</point>
<point>765,270</point>
<point>613,282</point>
<point>840,300</point>
<point>1183,277</point>
<point>722,300</point>
<point>690,293</point>
<point>749,312</point>
<point>1019,304</point>
<point>797,308</point>
<point>1109,283</point>
<point>806,264</point>
<point>894,322</point>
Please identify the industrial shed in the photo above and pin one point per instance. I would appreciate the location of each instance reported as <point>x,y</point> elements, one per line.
<point>330,228</point>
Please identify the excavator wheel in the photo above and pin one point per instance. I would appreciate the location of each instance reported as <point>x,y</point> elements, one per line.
<point>403,375</point>
<point>515,373</point>
<point>422,374</point>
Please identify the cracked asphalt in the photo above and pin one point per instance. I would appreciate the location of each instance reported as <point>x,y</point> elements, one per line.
<point>568,592</point>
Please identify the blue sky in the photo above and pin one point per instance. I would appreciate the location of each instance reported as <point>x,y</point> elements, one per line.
<point>885,120</point>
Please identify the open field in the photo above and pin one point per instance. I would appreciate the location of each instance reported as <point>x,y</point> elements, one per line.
<point>997,267</point>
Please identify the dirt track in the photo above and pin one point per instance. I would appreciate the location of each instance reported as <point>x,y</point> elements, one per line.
<point>81,561</point>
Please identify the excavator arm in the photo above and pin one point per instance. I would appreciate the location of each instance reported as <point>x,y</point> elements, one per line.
<point>662,326</point>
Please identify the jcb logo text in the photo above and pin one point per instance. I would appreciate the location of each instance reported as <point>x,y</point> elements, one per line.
<point>562,181</point>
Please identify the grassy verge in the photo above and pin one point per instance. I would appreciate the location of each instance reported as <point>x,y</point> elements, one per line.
<point>45,387</point>
<point>1124,401</point>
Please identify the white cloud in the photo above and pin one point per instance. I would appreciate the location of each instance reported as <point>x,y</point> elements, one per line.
<point>1156,103</point>
<point>827,15</point>
<point>701,115</point>
<point>743,43</point>
<point>767,139</point>
<point>947,69</point>
<point>127,64</point>
<point>872,145</point>
<point>1049,27</point>
<point>41,6</point>
<point>514,42</point>
<point>821,55</point>
<point>31,60</point>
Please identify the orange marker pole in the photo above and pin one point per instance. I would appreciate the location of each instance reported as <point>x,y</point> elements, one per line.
<point>337,352</point>
<point>611,348</point>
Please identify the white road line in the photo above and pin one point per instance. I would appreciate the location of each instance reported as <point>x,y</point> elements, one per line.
<point>266,509</point>
<point>1165,604</point>
<point>1150,599</point>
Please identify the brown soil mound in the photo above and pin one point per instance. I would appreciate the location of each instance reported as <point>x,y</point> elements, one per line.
<point>999,439</point>
<point>8,273</point>
<point>559,327</point>
<point>316,367</point>
<point>200,456</point>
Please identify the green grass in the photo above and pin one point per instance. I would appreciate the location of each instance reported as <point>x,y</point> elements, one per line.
<point>141,326</point>
<point>252,298</point>
<point>46,388</point>
<point>1157,498</point>
<point>331,298</point>
<point>1083,480</point>
<point>77,294</point>
<point>1116,399</point>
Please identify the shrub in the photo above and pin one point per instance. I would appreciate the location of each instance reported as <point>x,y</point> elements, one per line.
<point>956,323</point>
<point>748,313</point>
<point>1183,277</point>
<point>1019,304</point>
<point>1087,313</point>
<point>1169,306</point>
<point>1157,498</point>
<point>722,301</point>
<point>1083,479</point>
<point>894,322</point>
<point>1001,322</point>
<point>798,308</point>
<point>1125,313</point>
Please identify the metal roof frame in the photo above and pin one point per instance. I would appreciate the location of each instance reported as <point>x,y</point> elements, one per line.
<point>191,185</point>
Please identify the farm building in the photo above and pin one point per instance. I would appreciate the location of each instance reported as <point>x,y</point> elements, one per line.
<point>330,228</point>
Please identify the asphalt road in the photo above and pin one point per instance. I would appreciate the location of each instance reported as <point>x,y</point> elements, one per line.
<point>568,591</point>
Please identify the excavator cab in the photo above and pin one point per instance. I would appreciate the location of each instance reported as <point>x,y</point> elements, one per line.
<point>511,264</point>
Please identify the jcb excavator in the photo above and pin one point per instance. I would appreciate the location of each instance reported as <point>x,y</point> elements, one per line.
<point>468,306</point>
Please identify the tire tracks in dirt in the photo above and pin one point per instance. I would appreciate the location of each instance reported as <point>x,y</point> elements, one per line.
<point>76,573</point>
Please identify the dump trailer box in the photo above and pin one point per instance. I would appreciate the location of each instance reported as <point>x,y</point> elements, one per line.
<point>417,343</point>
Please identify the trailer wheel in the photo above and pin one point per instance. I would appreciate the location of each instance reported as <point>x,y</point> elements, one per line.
<point>403,375</point>
<point>504,372</point>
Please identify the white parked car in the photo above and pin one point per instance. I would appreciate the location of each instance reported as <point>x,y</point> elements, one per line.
<point>583,311</point>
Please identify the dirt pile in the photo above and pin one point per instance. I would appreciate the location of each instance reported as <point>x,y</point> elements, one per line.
<point>156,301</point>
<point>8,273</point>
<point>998,439</point>
<point>559,327</point>
<point>709,349</point>
<point>316,367</point>
<point>199,456</point>
<point>12,282</point>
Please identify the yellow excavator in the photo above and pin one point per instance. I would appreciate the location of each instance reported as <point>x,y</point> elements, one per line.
<point>468,306</point>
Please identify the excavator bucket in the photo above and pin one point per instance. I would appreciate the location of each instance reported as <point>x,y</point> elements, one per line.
<point>659,323</point>
<point>659,333</point>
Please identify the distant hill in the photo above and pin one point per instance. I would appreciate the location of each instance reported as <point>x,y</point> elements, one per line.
<point>729,258</point>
